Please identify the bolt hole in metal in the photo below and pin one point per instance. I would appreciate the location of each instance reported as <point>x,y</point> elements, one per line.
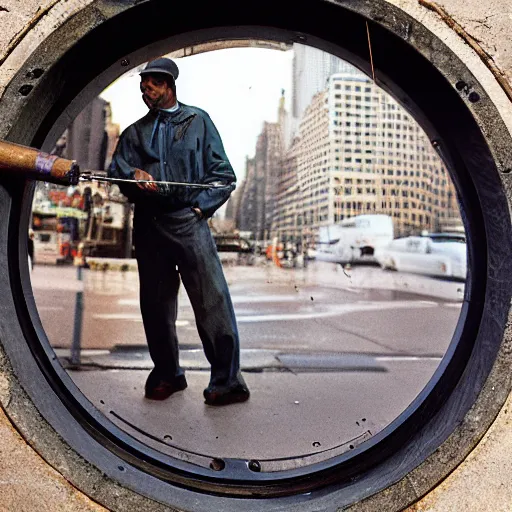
<point>337,315</point>
<point>460,85</point>
<point>217,464</point>
<point>381,357</point>
<point>473,97</point>
<point>25,89</point>
<point>35,73</point>
<point>254,465</point>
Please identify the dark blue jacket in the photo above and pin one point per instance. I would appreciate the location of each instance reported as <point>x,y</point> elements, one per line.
<point>182,146</point>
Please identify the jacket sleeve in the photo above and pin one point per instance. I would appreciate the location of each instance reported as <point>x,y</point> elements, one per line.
<point>217,168</point>
<point>125,160</point>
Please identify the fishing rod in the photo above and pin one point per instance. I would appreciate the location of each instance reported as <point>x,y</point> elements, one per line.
<point>16,159</point>
<point>89,176</point>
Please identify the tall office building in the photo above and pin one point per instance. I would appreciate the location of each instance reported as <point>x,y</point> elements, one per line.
<point>91,137</point>
<point>288,218</point>
<point>383,161</point>
<point>258,204</point>
<point>311,69</point>
<point>249,215</point>
<point>360,152</point>
<point>112,131</point>
<point>87,139</point>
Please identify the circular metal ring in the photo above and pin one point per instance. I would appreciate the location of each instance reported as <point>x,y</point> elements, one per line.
<point>440,424</point>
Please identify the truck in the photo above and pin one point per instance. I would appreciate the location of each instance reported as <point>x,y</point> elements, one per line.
<point>56,234</point>
<point>355,239</point>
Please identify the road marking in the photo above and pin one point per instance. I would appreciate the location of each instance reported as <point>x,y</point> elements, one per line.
<point>128,302</point>
<point>50,308</point>
<point>86,352</point>
<point>406,358</point>
<point>118,316</point>
<point>351,289</point>
<point>131,317</point>
<point>240,299</point>
<point>341,309</point>
<point>331,310</point>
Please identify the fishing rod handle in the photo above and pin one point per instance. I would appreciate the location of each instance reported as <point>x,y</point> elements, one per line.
<point>38,165</point>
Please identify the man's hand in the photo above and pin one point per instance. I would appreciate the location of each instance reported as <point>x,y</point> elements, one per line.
<point>143,175</point>
<point>199,212</point>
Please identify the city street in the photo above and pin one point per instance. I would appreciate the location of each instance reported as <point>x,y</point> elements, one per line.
<point>332,356</point>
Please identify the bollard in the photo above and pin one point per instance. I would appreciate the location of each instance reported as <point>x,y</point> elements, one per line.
<point>77,326</point>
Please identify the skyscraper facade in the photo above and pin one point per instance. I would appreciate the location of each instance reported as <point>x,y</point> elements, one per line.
<point>288,218</point>
<point>311,69</point>
<point>382,160</point>
<point>258,203</point>
<point>358,152</point>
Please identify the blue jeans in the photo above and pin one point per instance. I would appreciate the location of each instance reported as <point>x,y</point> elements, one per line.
<point>167,247</point>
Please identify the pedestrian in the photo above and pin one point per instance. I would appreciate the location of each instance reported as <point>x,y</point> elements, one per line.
<point>172,239</point>
<point>30,248</point>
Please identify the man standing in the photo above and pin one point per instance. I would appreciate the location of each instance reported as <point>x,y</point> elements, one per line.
<point>179,143</point>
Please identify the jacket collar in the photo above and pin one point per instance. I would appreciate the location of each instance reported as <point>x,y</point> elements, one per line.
<point>178,117</point>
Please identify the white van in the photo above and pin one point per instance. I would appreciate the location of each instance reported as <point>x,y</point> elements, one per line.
<point>355,240</point>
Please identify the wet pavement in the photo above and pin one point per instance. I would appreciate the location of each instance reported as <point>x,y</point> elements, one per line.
<point>331,358</point>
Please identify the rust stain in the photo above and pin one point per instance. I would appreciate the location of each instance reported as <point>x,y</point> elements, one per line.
<point>485,57</point>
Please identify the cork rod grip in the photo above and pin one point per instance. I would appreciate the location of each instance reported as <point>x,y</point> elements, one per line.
<point>35,164</point>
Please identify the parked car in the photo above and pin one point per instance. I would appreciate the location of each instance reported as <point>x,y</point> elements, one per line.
<point>436,254</point>
<point>233,249</point>
<point>227,243</point>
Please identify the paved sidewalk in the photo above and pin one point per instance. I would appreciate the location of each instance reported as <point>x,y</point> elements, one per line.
<point>304,411</point>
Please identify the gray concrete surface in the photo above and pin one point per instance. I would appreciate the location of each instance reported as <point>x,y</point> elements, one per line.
<point>27,483</point>
<point>290,413</point>
<point>482,483</point>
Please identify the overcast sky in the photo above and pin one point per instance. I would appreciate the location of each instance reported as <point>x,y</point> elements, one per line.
<point>240,89</point>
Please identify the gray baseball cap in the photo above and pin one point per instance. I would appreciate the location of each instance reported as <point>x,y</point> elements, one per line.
<point>162,65</point>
